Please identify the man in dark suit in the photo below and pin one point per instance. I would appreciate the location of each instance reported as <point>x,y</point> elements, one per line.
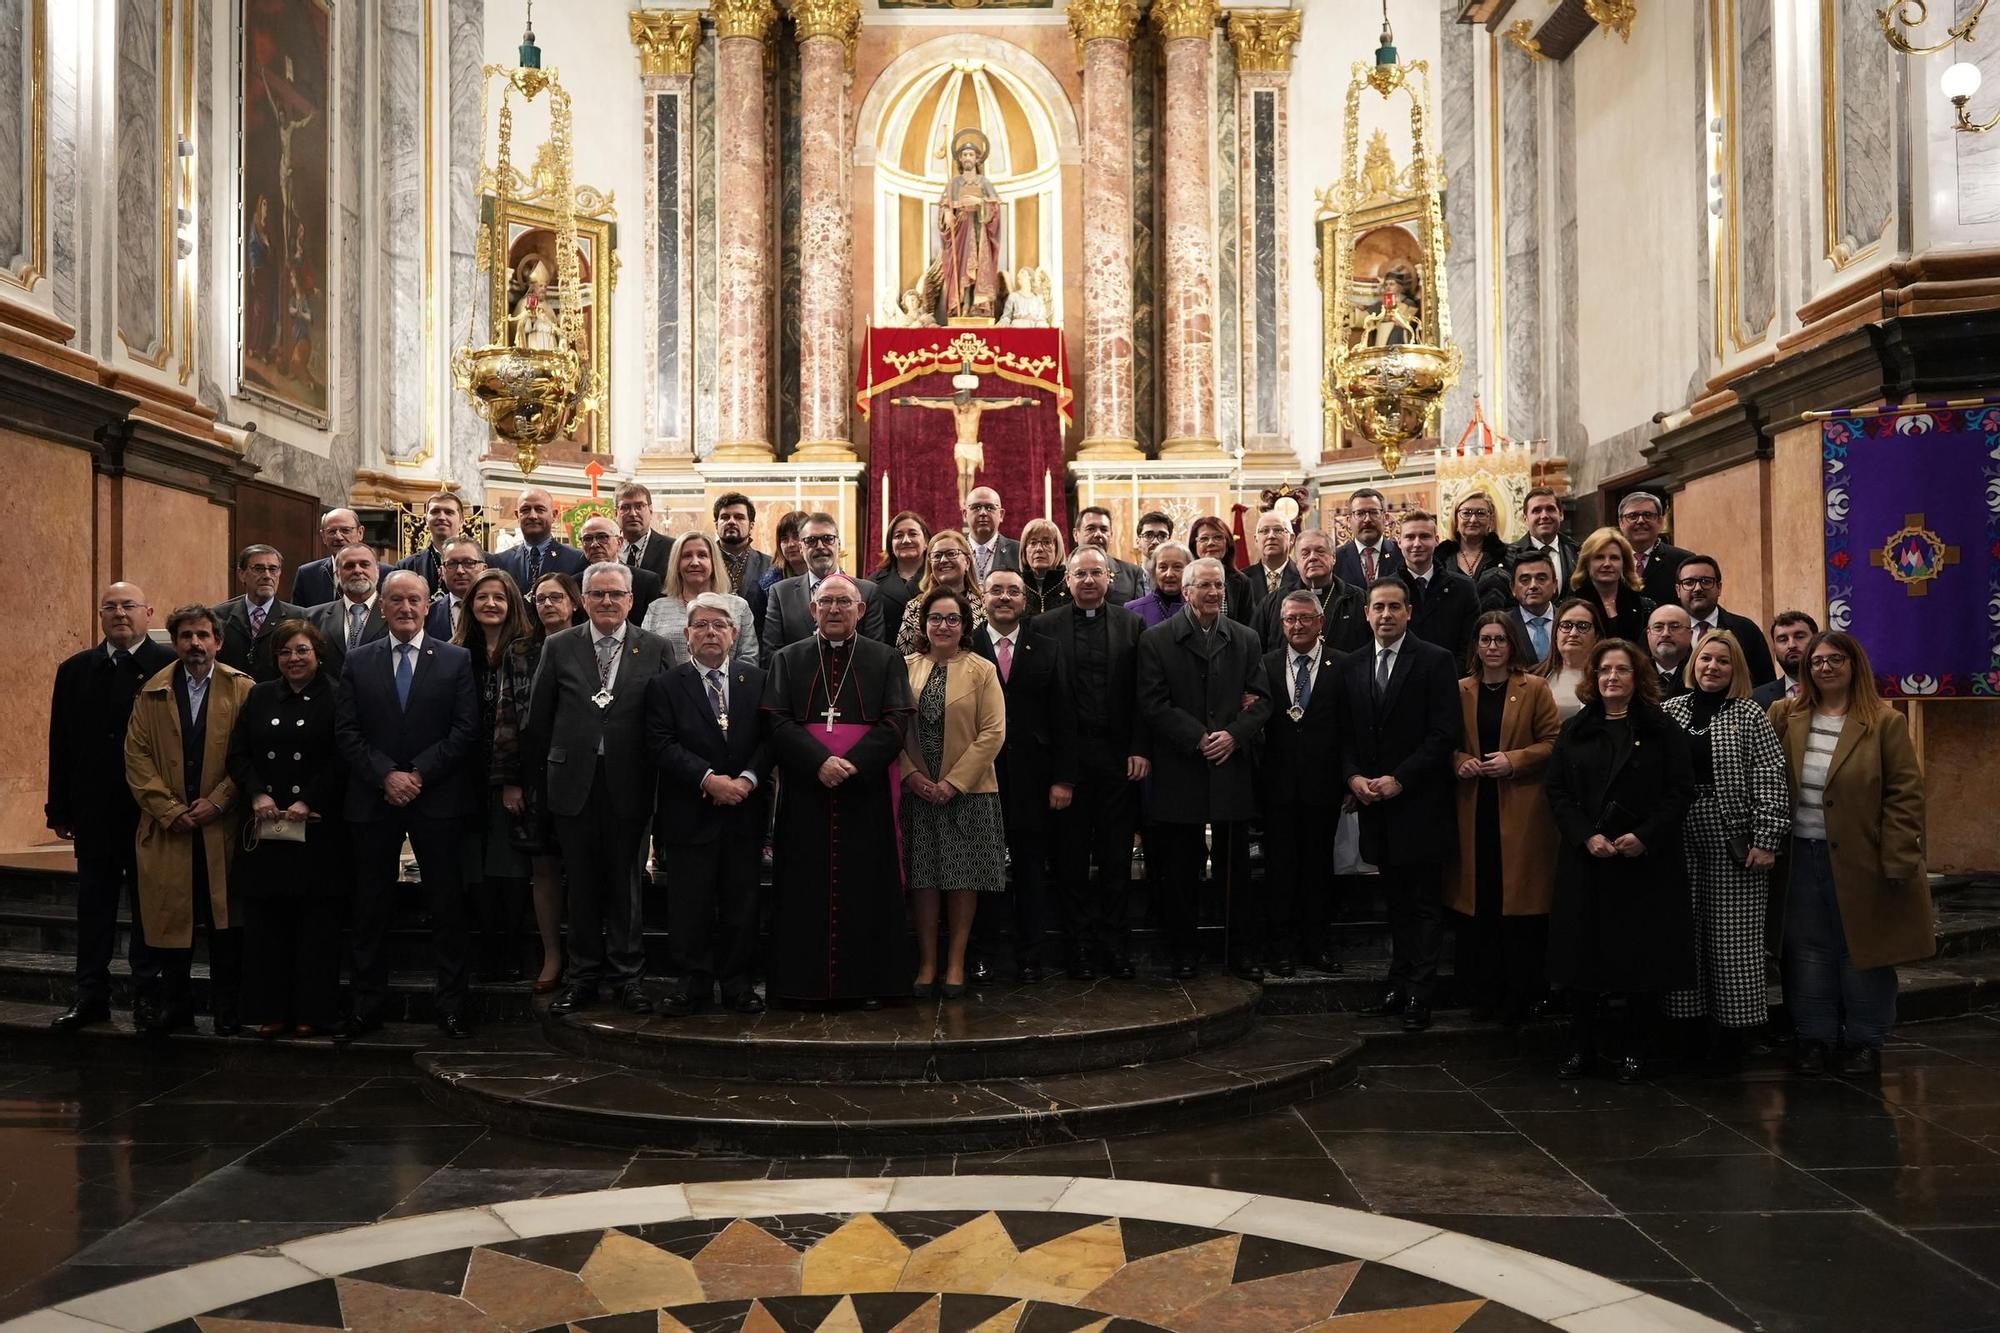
<point>90,806</point>
<point>602,541</point>
<point>539,552</point>
<point>245,622</point>
<point>1202,693</point>
<point>707,734</point>
<point>1529,588</point>
<point>1370,555</point>
<point>463,563</point>
<point>355,616</point>
<point>1639,516</point>
<point>314,583</point>
<point>1093,528</point>
<point>1099,644</point>
<point>1790,633</point>
<point>1442,601</point>
<point>1399,721</point>
<point>1699,582</point>
<point>1343,622</point>
<point>586,728</point>
<point>1298,798</point>
<point>1542,510</point>
<point>407,721</point>
<point>1273,574</point>
<point>983,514</point>
<point>1670,639</point>
<point>643,547</point>
<point>1037,765</point>
<point>444,519</point>
<point>788,616</point>
<point>735,519</point>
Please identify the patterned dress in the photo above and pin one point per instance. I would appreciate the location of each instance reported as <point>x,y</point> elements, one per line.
<point>963,843</point>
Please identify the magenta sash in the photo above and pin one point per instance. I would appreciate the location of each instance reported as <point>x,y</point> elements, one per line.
<point>844,736</point>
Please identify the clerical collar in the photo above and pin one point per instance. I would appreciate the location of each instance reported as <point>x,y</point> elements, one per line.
<point>833,643</point>
<point>1090,612</point>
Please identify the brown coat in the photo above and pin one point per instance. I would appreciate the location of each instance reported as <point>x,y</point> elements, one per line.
<point>975,722</point>
<point>1528,729</point>
<point>153,771</point>
<point>1874,833</point>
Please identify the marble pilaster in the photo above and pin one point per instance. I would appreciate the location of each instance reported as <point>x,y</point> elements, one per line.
<point>1187,267</point>
<point>1263,42</point>
<point>1756,166</point>
<point>1521,249</point>
<point>1458,139</point>
<point>15,132</point>
<point>826,30</point>
<point>707,237</point>
<point>65,130</point>
<point>743,261</point>
<point>465,47</point>
<point>666,42</point>
<point>140,286</point>
<point>405,434</point>
<point>1103,31</point>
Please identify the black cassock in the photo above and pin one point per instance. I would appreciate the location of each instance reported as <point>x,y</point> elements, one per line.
<point>840,929</point>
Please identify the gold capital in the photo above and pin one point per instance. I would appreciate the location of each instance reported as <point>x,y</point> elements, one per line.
<point>839,19</point>
<point>1263,39</point>
<point>1185,18</point>
<point>1102,20</point>
<point>742,18</point>
<point>666,39</point>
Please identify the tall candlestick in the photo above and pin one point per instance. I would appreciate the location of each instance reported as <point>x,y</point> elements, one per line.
<point>1048,496</point>
<point>798,492</point>
<point>885,509</point>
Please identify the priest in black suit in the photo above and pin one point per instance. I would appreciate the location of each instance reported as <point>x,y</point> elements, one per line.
<point>1399,720</point>
<point>1298,796</point>
<point>707,732</point>
<point>837,704</point>
<point>1443,604</point>
<point>245,622</point>
<point>1639,516</point>
<point>1343,623</point>
<point>1037,765</point>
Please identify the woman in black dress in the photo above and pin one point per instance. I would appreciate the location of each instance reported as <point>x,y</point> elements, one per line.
<point>294,892</point>
<point>1042,567</point>
<point>501,639</point>
<point>556,604</point>
<point>1210,539</point>
<point>1607,576</point>
<point>1619,782</point>
<point>1474,547</point>
<point>902,567</point>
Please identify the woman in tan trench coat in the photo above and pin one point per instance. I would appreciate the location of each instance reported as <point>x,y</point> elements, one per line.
<point>1502,879</point>
<point>159,775</point>
<point>1857,898</point>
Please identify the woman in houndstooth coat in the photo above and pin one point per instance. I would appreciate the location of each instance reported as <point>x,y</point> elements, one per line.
<point>1738,820</point>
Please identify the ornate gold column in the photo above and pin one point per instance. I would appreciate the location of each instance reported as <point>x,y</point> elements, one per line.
<point>1263,40</point>
<point>1103,31</point>
<point>1187,236</point>
<point>666,40</point>
<point>743,260</point>
<point>826,33</point>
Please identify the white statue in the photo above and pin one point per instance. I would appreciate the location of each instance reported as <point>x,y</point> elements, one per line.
<point>1028,302</point>
<point>909,312</point>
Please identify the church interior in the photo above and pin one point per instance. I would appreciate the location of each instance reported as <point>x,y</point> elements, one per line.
<point>264,258</point>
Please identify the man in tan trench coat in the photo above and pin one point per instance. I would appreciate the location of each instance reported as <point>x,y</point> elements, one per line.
<point>175,753</point>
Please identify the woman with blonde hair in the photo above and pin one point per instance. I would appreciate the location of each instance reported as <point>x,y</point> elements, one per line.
<point>1737,821</point>
<point>1042,555</point>
<point>1857,898</point>
<point>1607,576</point>
<point>694,567</point>
<point>947,564</point>
<point>1474,546</point>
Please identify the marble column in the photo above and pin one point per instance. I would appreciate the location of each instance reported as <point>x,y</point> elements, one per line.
<point>667,40</point>
<point>1103,31</point>
<point>743,267</point>
<point>1187,297</point>
<point>1263,40</point>
<point>826,31</point>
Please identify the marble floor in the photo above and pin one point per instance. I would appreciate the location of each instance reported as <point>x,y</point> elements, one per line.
<point>1402,1202</point>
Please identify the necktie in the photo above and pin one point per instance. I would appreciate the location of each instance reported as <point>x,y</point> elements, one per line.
<point>406,672</point>
<point>534,565</point>
<point>607,652</point>
<point>1385,662</point>
<point>457,611</point>
<point>1303,679</point>
<point>714,691</point>
<point>1538,632</point>
<point>983,557</point>
<point>356,614</point>
<point>1003,649</point>
<point>1701,629</point>
<point>631,556</point>
<point>1368,564</point>
<point>121,657</point>
<point>1270,580</point>
<point>256,621</point>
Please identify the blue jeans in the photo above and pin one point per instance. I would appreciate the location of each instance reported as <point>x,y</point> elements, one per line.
<point>1822,988</point>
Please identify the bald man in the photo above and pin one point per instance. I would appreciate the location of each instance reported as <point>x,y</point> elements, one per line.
<point>89,804</point>
<point>539,552</point>
<point>983,516</point>
<point>314,582</point>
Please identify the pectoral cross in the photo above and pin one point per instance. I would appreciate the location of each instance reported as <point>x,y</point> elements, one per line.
<point>832,716</point>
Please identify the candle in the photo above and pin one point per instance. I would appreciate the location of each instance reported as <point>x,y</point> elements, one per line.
<point>1135,499</point>
<point>798,492</point>
<point>1048,496</point>
<point>885,508</point>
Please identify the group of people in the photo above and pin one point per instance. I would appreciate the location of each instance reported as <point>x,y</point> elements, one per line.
<point>1568,748</point>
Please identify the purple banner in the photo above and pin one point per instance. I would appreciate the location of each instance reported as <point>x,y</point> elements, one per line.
<point>1913,548</point>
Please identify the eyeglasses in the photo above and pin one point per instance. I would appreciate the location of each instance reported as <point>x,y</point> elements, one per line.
<point>1575,626</point>
<point>1828,661</point>
<point>1364,513</point>
<point>836,603</point>
<point>296,650</point>
<point>1614,669</point>
<point>465,564</point>
<point>1304,618</point>
<point>1475,513</point>
<point>608,594</point>
<point>946,557</point>
<point>1699,581</point>
<point>1492,641</point>
<point>551,598</point>
<point>127,607</point>
<point>824,539</point>
<point>1641,515</point>
<point>272,570</point>
<point>717,625</point>
<point>948,618</point>
<point>983,508</point>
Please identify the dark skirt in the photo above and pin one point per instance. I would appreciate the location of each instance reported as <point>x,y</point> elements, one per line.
<point>1619,926</point>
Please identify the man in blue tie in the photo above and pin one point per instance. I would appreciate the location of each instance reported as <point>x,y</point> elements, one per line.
<point>1534,589</point>
<point>407,723</point>
<point>1298,797</point>
<point>539,552</point>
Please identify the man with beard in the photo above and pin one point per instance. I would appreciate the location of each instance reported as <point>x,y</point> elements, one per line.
<point>1370,555</point>
<point>355,616</point>
<point>1699,584</point>
<point>734,517</point>
<point>789,614</point>
<point>463,563</point>
<point>1670,638</point>
<point>1790,633</point>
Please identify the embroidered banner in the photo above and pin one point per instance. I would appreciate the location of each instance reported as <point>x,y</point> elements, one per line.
<point>1913,547</point>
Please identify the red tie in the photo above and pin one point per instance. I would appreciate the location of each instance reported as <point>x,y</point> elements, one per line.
<point>1004,650</point>
<point>1368,564</point>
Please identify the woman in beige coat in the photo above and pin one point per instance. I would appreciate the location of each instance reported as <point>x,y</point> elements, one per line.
<point>1502,879</point>
<point>1857,899</point>
<point>954,838</point>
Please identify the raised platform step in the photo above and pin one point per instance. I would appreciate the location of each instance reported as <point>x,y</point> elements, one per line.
<point>566,1097</point>
<point>1010,1031</point>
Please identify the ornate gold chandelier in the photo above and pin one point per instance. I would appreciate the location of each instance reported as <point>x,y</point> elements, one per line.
<point>528,381</point>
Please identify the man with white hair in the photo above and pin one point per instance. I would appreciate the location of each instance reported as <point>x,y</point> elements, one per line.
<point>315,583</point>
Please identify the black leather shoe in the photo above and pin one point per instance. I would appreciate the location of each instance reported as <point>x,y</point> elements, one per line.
<point>677,1004</point>
<point>749,1002</point>
<point>1120,969</point>
<point>170,1019</point>
<point>1862,1062</point>
<point>1283,967</point>
<point>80,1016</point>
<point>454,1026</point>
<point>1811,1059</point>
<point>632,999</point>
<point>228,1027</point>
<point>573,997</point>
<point>1416,1016</point>
<point>1079,969</point>
<point>1249,971</point>
<point>1631,1069</point>
<point>1325,961</point>
<point>352,1028</point>
<point>952,990</point>
<point>1389,1003</point>
<point>1183,971</point>
<point>1028,974</point>
<point>1575,1065</point>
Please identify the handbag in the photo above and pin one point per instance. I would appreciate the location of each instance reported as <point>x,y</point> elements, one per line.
<point>257,831</point>
<point>1739,847</point>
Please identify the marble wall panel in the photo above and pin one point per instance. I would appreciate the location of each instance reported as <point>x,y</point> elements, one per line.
<point>786,105</point>
<point>1977,156</point>
<point>64,182</point>
<point>1521,243</point>
<point>398,359</point>
<point>706,243</point>
<point>669,319</point>
<point>1145,257</point>
<point>1232,416</point>
<point>1726,514</point>
<point>1705,287</point>
<point>140,261</point>
<point>1567,427</point>
<point>1458,130</point>
<point>176,545</point>
<point>1756,257</point>
<point>1962,837</point>
<point>465,53</point>
<point>1866,124</point>
<point>15,133</point>
<point>1263,413</point>
<point>208,308</point>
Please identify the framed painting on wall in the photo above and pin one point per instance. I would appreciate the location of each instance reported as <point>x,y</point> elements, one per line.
<point>284,176</point>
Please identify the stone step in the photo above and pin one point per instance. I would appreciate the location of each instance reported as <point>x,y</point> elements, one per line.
<point>558,1095</point>
<point>1008,1030</point>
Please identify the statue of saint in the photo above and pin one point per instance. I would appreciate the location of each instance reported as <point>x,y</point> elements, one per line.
<point>1027,303</point>
<point>969,220</point>
<point>909,312</point>
<point>1392,321</point>
<point>968,453</point>
<point>534,319</point>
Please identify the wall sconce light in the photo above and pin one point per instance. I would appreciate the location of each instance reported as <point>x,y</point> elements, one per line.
<point>1960,82</point>
<point>1913,14</point>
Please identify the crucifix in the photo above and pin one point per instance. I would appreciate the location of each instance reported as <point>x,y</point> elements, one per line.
<point>968,453</point>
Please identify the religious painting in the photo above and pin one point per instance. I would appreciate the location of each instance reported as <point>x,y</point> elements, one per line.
<point>527,305</point>
<point>284,99</point>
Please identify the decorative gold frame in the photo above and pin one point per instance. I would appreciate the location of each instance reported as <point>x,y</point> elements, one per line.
<point>35,261</point>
